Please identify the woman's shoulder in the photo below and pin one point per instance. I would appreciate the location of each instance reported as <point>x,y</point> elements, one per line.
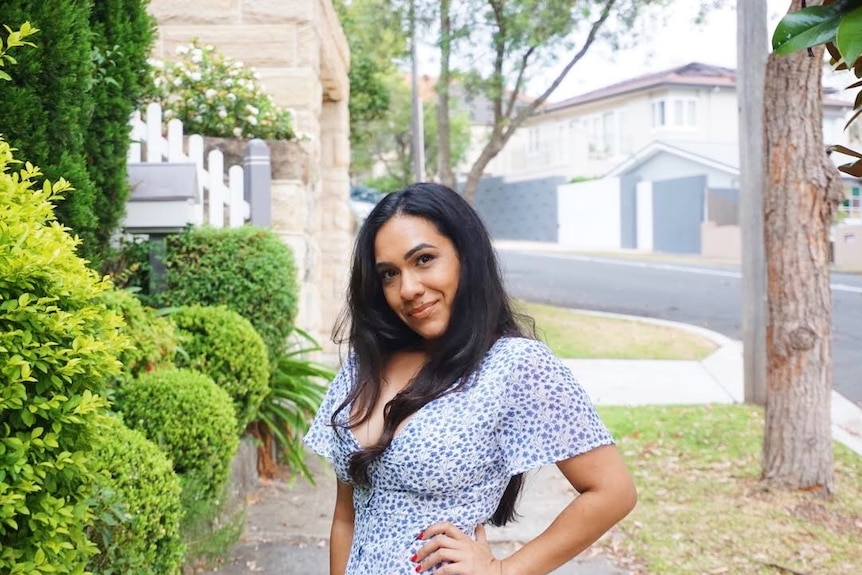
<point>520,346</point>
<point>517,350</point>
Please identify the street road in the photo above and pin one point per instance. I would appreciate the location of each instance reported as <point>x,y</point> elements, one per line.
<point>705,295</point>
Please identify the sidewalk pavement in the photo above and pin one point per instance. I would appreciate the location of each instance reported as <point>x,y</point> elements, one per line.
<point>287,527</point>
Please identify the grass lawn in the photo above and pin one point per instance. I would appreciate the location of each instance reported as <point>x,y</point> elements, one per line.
<point>702,509</point>
<point>575,335</point>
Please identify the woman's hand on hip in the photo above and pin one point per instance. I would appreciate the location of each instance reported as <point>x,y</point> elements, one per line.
<point>455,553</point>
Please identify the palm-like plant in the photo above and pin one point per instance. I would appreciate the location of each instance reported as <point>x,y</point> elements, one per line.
<point>297,386</point>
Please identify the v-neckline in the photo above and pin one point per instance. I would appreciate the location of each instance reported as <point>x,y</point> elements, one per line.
<point>405,425</point>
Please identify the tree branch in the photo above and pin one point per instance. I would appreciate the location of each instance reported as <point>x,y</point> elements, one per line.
<point>527,110</point>
<point>516,90</point>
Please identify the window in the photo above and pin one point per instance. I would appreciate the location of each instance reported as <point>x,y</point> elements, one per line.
<point>658,117</point>
<point>851,207</point>
<point>602,132</point>
<point>675,113</point>
<point>533,141</point>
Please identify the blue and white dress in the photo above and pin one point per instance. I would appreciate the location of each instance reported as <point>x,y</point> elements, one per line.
<point>452,459</point>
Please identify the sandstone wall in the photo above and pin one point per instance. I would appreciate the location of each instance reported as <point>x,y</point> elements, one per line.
<point>301,53</point>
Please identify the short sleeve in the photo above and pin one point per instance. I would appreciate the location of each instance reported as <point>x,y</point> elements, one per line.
<point>321,436</point>
<point>546,416</point>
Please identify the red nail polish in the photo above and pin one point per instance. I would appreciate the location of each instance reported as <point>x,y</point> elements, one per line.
<point>414,558</point>
<point>418,568</point>
<point>421,535</point>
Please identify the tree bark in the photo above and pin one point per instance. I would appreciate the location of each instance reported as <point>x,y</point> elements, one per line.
<point>802,191</point>
<point>445,175</point>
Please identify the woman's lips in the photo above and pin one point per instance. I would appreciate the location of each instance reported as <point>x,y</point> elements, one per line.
<point>422,311</point>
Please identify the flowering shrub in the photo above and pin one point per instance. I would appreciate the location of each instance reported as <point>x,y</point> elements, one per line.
<point>215,95</point>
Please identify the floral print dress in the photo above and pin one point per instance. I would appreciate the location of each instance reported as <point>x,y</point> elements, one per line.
<point>452,459</point>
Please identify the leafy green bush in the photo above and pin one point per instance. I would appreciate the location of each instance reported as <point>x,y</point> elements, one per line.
<point>224,345</point>
<point>190,417</point>
<point>58,346</point>
<point>249,269</point>
<point>215,95</point>
<point>155,338</point>
<point>138,528</point>
<point>297,388</point>
<point>123,34</point>
<point>47,106</point>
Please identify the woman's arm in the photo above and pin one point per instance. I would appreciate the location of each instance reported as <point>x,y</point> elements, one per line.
<point>341,533</point>
<point>606,495</point>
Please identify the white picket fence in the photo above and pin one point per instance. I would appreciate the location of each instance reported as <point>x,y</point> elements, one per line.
<point>215,196</point>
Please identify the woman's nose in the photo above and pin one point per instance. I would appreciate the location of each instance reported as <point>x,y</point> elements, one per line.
<point>411,286</point>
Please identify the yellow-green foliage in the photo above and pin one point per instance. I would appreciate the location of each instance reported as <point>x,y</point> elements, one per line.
<point>138,525</point>
<point>58,346</point>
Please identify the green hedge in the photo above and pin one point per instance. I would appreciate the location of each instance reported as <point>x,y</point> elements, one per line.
<point>138,527</point>
<point>45,110</point>
<point>155,338</point>
<point>190,417</point>
<point>250,270</point>
<point>123,35</point>
<point>224,345</point>
<point>58,346</point>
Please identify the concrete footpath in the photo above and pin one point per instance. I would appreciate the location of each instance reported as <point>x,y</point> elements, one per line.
<point>287,526</point>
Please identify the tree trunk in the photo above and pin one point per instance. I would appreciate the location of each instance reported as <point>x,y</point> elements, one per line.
<point>444,142</point>
<point>801,195</point>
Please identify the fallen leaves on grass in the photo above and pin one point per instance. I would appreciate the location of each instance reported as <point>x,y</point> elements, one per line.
<point>702,508</point>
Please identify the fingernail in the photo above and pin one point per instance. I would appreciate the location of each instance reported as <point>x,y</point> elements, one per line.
<point>418,568</point>
<point>421,535</point>
<point>414,558</point>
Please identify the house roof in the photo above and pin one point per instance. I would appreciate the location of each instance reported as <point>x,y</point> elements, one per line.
<point>695,74</point>
<point>723,157</point>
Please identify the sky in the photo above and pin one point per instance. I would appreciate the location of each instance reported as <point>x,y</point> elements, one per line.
<point>678,42</point>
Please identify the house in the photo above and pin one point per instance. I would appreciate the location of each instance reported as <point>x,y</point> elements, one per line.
<point>691,107</point>
<point>652,164</point>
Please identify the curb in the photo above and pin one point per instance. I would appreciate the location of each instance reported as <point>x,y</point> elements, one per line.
<point>718,339</point>
<point>846,416</point>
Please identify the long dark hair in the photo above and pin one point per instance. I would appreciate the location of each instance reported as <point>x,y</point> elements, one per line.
<point>481,314</point>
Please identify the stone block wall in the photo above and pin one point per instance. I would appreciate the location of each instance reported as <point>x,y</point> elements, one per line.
<point>301,54</point>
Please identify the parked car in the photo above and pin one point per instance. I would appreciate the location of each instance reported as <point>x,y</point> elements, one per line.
<point>363,200</point>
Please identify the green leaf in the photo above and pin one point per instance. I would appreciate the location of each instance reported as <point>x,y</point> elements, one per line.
<point>849,36</point>
<point>805,28</point>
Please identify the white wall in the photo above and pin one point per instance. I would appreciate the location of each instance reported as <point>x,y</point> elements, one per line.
<point>589,214</point>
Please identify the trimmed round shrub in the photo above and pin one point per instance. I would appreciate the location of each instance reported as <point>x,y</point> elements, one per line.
<point>249,269</point>
<point>155,338</point>
<point>58,347</point>
<point>225,346</point>
<point>138,528</point>
<point>190,417</point>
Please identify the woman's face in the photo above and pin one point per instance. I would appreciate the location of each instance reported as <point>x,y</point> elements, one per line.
<point>419,271</point>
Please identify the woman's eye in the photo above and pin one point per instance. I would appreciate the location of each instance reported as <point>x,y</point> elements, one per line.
<point>424,258</point>
<point>387,274</point>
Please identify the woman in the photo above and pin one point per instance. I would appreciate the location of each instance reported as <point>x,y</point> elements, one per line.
<point>444,401</point>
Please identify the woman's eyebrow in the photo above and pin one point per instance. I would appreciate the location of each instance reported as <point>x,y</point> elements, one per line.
<point>416,248</point>
<point>410,252</point>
